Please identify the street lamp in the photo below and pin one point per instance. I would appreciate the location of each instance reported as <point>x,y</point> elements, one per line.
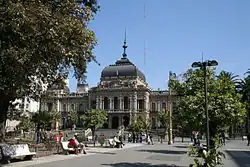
<point>203,66</point>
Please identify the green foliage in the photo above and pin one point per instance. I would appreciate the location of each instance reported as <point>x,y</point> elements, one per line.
<point>163,117</point>
<point>213,158</point>
<point>25,123</point>
<point>138,125</point>
<point>94,119</point>
<point>43,119</point>
<point>101,140</point>
<point>224,103</point>
<point>73,116</point>
<point>80,138</point>
<point>41,40</point>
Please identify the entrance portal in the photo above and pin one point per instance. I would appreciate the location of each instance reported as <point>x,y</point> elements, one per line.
<point>115,122</point>
<point>126,121</point>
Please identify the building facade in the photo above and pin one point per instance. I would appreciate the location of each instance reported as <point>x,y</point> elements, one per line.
<point>122,92</point>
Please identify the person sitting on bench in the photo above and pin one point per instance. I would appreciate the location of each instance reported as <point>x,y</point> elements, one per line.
<point>118,143</point>
<point>73,143</point>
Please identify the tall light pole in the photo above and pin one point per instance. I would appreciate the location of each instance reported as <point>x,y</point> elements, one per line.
<point>203,66</point>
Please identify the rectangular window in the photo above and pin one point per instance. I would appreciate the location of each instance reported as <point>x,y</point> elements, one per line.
<point>64,107</point>
<point>140,104</point>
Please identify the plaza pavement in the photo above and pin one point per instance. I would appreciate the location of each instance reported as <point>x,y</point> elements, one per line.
<point>140,155</point>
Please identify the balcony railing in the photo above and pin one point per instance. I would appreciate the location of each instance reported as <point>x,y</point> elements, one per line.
<point>118,110</point>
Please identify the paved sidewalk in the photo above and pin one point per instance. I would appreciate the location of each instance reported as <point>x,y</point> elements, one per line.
<point>54,158</point>
<point>237,154</point>
<point>141,155</point>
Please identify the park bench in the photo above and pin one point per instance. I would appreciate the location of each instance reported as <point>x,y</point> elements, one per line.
<point>67,150</point>
<point>15,151</point>
<point>114,143</point>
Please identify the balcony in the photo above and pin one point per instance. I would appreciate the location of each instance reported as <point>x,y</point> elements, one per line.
<point>118,111</point>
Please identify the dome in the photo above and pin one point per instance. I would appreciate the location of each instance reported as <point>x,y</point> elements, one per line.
<point>122,67</point>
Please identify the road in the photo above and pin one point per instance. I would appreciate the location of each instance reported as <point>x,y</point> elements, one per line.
<point>158,155</point>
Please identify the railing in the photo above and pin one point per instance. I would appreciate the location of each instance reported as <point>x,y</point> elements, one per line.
<point>118,110</point>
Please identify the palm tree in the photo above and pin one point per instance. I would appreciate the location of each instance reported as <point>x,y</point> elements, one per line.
<point>247,73</point>
<point>56,115</point>
<point>228,76</point>
<point>243,87</point>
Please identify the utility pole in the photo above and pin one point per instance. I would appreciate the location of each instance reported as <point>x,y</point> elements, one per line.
<point>203,66</point>
<point>170,130</point>
<point>206,110</point>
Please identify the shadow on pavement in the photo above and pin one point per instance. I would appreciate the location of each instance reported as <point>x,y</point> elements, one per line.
<point>164,151</point>
<point>241,158</point>
<point>126,164</point>
<point>108,153</point>
<point>181,146</point>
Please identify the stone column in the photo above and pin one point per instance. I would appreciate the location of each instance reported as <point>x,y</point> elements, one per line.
<point>100,102</point>
<point>97,102</point>
<point>130,118</point>
<point>120,121</point>
<point>145,104</point>
<point>57,105</point>
<point>121,103</point>
<point>135,102</point>
<point>110,103</point>
<point>158,106</point>
<point>130,107</point>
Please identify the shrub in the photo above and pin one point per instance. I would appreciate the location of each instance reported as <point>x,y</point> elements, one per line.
<point>212,158</point>
<point>101,140</point>
<point>80,138</point>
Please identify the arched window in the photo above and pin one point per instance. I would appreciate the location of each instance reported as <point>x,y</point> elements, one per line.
<point>116,103</point>
<point>125,103</point>
<point>106,103</point>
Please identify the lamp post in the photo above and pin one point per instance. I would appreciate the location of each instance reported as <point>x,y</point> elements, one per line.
<point>203,66</point>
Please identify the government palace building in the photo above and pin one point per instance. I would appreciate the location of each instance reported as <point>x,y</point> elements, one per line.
<point>123,92</point>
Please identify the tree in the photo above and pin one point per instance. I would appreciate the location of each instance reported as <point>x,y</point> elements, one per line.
<point>73,116</point>
<point>163,118</point>
<point>43,119</point>
<point>40,40</point>
<point>228,76</point>
<point>138,125</point>
<point>25,123</point>
<point>94,119</point>
<point>224,103</point>
<point>56,116</point>
<point>243,87</point>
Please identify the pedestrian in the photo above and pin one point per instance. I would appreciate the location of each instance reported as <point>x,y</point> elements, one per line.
<point>129,137</point>
<point>133,136</point>
<point>248,139</point>
<point>223,138</point>
<point>140,137</point>
<point>151,139</point>
<point>173,137</point>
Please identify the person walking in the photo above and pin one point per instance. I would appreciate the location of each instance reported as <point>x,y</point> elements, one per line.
<point>248,139</point>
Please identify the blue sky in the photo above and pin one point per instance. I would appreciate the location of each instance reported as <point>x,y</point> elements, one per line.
<point>176,32</point>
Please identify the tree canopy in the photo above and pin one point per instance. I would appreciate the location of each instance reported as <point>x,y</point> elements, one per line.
<point>94,119</point>
<point>39,41</point>
<point>224,103</point>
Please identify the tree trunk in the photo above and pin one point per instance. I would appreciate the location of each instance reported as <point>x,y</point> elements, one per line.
<point>4,106</point>
<point>93,136</point>
<point>182,136</point>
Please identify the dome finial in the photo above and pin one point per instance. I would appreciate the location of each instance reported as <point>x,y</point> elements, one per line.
<point>124,55</point>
